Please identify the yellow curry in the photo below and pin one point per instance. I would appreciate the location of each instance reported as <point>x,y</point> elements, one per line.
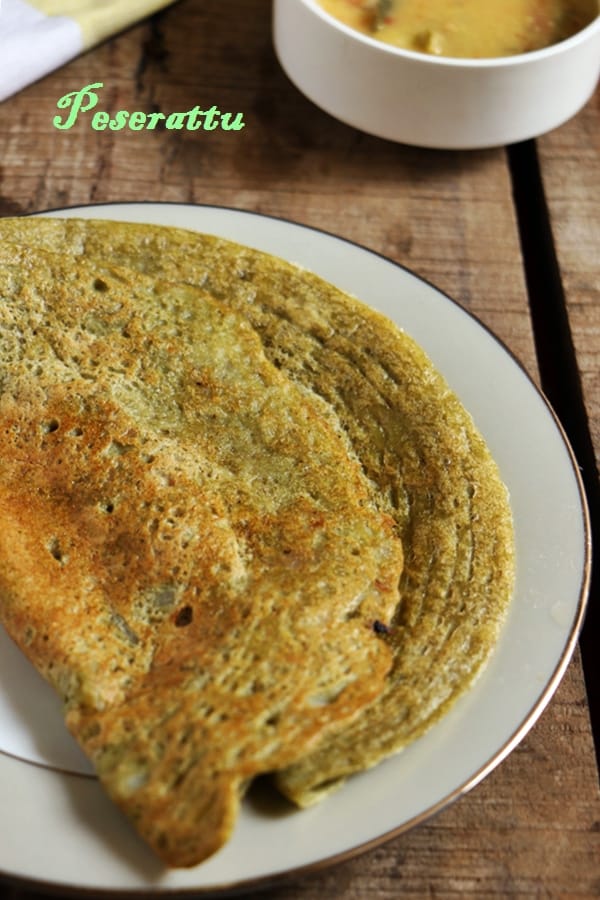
<point>466,28</point>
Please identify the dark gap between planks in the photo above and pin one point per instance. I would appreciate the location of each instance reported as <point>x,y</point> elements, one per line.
<point>559,374</point>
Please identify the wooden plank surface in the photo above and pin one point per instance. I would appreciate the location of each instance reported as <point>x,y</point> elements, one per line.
<point>569,160</point>
<point>570,164</point>
<point>532,828</point>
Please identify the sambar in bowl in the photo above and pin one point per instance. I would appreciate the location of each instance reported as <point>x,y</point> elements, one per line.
<point>527,67</point>
<point>466,28</point>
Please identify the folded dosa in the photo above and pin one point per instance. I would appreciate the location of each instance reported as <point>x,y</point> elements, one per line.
<point>425,463</point>
<point>188,551</point>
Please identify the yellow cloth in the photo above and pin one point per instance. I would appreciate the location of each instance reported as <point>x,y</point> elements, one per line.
<point>98,19</point>
<point>37,36</point>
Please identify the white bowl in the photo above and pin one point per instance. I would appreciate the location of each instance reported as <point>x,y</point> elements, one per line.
<point>432,101</point>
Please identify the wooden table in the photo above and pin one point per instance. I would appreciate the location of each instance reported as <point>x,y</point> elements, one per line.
<point>532,828</point>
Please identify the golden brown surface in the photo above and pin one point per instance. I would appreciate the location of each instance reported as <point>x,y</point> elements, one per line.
<point>427,465</point>
<point>188,553</point>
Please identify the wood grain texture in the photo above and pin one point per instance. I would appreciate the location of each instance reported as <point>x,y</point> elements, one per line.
<point>570,164</point>
<point>531,829</point>
<point>569,160</point>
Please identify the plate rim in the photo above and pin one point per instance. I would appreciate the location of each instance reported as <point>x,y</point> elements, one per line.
<point>547,691</point>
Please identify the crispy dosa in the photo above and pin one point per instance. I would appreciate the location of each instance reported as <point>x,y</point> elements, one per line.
<point>425,463</point>
<point>188,552</point>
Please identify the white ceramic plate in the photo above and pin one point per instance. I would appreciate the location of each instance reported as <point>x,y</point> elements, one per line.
<point>56,825</point>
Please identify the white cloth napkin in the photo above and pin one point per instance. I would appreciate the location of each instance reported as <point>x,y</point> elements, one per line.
<point>37,36</point>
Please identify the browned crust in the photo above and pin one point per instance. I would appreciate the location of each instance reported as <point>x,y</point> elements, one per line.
<point>425,463</point>
<point>188,553</point>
